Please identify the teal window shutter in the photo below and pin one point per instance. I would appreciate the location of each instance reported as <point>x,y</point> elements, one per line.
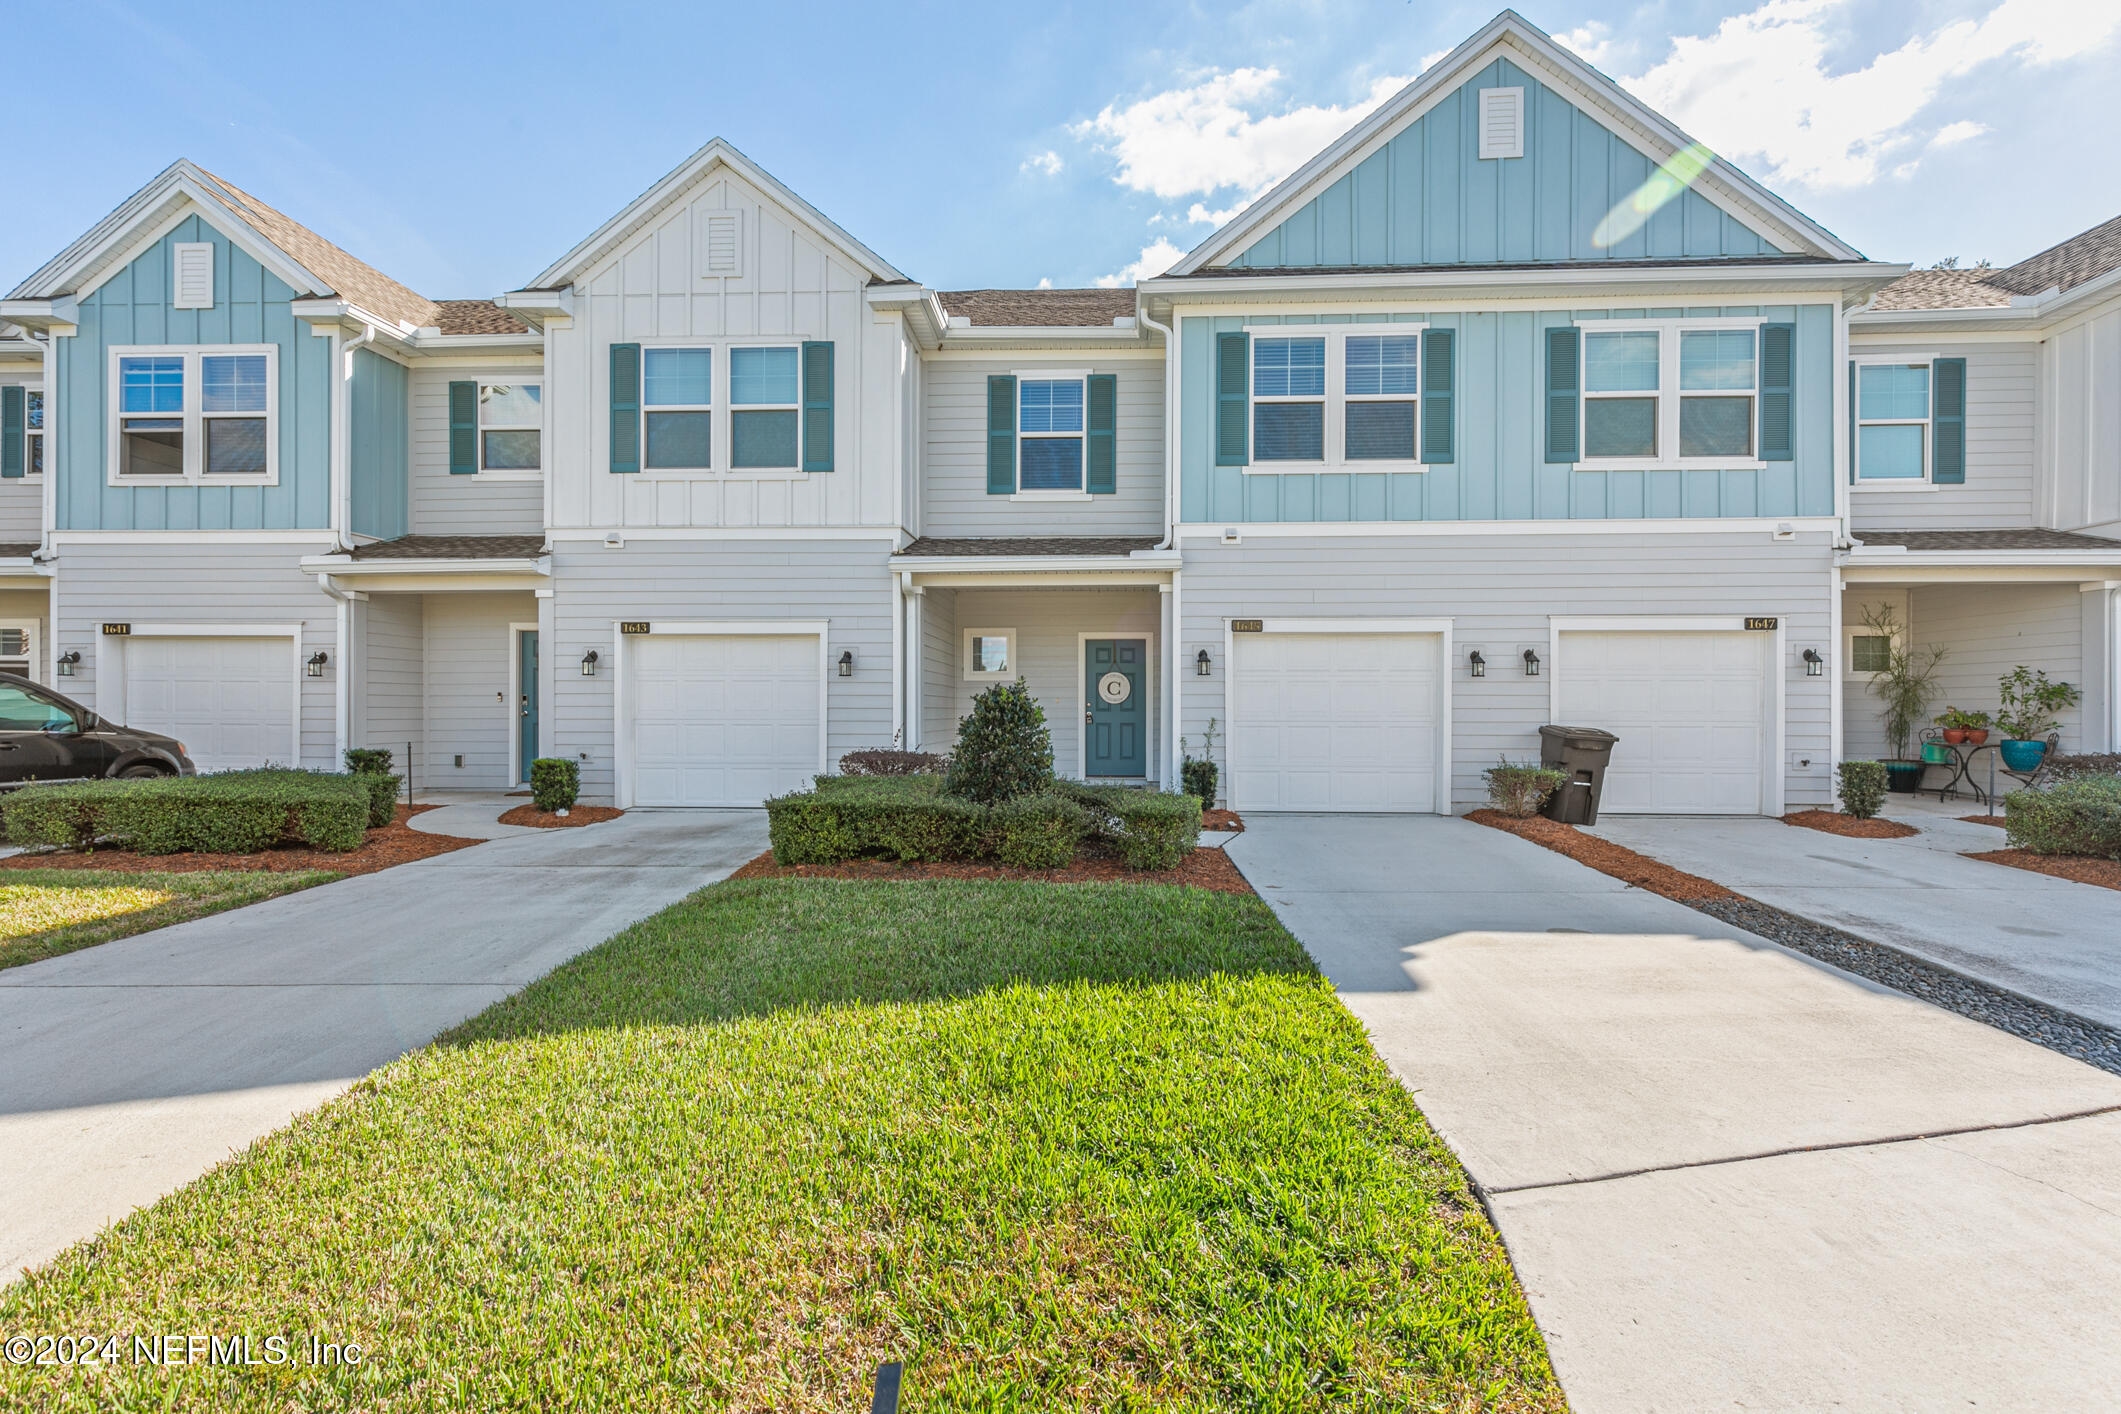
<point>817,406</point>
<point>1233,399</point>
<point>1564,392</point>
<point>1438,378</point>
<point>14,430</point>
<point>1778,392</point>
<point>625,407</point>
<point>463,428</point>
<point>1948,421</point>
<point>1102,433</point>
<point>1001,434</point>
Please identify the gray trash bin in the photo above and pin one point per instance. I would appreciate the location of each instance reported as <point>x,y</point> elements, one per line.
<point>1582,752</point>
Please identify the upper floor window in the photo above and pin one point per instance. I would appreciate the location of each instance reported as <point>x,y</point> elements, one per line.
<point>201,414</point>
<point>1288,399</point>
<point>759,385</point>
<point>1339,396</point>
<point>511,426</point>
<point>1670,395</point>
<point>1380,388</point>
<point>1892,421</point>
<point>33,432</point>
<point>1049,430</point>
<point>677,404</point>
<point>764,408</point>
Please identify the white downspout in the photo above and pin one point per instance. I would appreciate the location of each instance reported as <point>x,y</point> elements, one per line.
<point>1175,628</point>
<point>342,689</point>
<point>898,660</point>
<point>342,438</point>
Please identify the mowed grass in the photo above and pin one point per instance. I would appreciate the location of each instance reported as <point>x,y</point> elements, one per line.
<point>46,912</point>
<point>1054,1147</point>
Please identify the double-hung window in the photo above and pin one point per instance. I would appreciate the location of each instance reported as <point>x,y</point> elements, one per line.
<point>764,408</point>
<point>1288,398</point>
<point>1670,395</point>
<point>1622,391</point>
<point>677,404</point>
<point>511,426</point>
<point>1718,377</point>
<point>1049,431</point>
<point>1892,421</point>
<point>1334,397</point>
<point>33,424</point>
<point>1379,389</point>
<point>202,414</point>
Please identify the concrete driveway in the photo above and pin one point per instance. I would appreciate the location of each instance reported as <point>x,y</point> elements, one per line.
<point>129,1069</point>
<point>2049,939</point>
<point>1730,1177</point>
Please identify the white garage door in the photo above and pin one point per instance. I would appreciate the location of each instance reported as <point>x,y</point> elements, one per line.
<point>723,719</point>
<point>1335,721</point>
<point>1691,712</point>
<point>229,700</point>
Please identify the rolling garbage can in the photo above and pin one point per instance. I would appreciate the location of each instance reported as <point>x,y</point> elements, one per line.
<point>1581,752</point>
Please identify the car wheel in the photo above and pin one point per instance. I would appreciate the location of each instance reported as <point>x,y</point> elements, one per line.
<point>132,773</point>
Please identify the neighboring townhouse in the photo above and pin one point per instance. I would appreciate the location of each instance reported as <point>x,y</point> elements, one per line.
<point>1513,406</point>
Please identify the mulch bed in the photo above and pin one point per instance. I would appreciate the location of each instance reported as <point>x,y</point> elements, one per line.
<point>395,843</point>
<point>2106,873</point>
<point>1833,822</point>
<point>1203,869</point>
<point>1220,820</point>
<point>1606,857</point>
<point>1996,820</point>
<point>579,815</point>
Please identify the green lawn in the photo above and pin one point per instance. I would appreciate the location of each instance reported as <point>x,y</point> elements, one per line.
<point>46,912</point>
<point>1055,1147</point>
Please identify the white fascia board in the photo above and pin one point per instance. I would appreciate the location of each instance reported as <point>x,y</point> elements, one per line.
<point>61,315</point>
<point>1160,562</point>
<point>1795,278</point>
<point>430,343</point>
<point>921,306</point>
<point>345,565</point>
<point>1896,557</point>
<point>1357,530</point>
<point>110,245</point>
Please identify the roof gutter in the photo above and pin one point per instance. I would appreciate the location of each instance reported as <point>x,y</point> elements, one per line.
<point>1837,274</point>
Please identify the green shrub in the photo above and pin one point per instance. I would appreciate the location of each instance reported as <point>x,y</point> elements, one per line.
<point>1038,831</point>
<point>1861,787</point>
<point>2080,816</point>
<point>1200,779</point>
<point>1151,829</point>
<point>891,817</point>
<point>1003,747</point>
<point>235,812</point>
<point>555,781</point>
<point>890,761</point>
<point>368,760</point>
<point>1519,788</point>
<point>2090,763</point>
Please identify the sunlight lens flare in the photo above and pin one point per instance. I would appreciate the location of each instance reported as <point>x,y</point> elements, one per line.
<point>1667,182</point>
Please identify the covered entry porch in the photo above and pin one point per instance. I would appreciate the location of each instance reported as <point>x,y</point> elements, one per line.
<point>1085,622</point>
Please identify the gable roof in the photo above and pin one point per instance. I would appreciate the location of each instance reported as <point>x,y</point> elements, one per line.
<point>1510,35</point>
<point>2062,267</point>
<point>651,203</point>
<point>1040,309</point>
<point>352,279</point>
<point>475,316</point>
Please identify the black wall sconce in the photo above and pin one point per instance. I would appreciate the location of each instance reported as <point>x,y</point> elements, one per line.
<point>589,663</point>
<point>67,662</point>
<point>1814,665</point>
<point>1200,663</point>
<point>847,663</point>
<point>315,666</point>
<point>1477,664</point>
<point>1531,663</point>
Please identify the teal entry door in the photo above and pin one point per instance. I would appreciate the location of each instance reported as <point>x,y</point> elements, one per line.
<point>1116,707</point>
<point>527,702</point>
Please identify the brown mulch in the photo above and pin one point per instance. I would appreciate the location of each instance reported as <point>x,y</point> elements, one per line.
<point>1220,820</point>
<point>1203,869</point>
<point>395,843</point>
<point>1996,820</point>
<point>579,815</point>
<point>1833,822</point>
<point>2106,873</point>
<point>1604,856</point>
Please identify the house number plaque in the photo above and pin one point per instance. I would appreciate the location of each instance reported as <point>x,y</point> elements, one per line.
<point>633,625</point>
<point>117,630</point>
<point>1754,621</point>
<point>1247,625</point>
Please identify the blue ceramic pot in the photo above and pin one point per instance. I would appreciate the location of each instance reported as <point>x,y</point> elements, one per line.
<point>2022,755</point>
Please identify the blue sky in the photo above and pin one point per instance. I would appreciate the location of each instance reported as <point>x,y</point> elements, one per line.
<point>462,148</point>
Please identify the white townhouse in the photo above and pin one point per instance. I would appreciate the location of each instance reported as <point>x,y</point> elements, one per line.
<point>1513,406</point>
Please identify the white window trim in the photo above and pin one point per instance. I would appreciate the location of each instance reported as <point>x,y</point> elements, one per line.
<point>1052,375</point>
<point>1926,482</point>
<point>1010,674</point>
<point>1335,400</point>
<point>1850,632</point>
<point>28,629</point>
<point>1668,394</point>
<point>37,434</point>
<point>194,473</point>
<point>796,407</point>
<point>720,440</point>
<point>480,429</point>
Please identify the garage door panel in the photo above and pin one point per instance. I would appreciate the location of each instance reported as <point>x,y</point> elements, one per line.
<point>1690,709</point>
<point>229,700</point>
<point>723,719</point>
<point>1335,721</point>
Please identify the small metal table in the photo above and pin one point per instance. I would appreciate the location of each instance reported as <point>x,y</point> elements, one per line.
<point>1961,767</point>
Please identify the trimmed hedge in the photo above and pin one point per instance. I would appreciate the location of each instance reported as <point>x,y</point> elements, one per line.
<point>1862,788</point>
<point>368,760</point>
<point>1038,831</point>
<point>890,761</point>
<point>2094,763</point>
<point>912,818</point>
<point>1151,830</point>
<point>235,812</point>
<point>555,781</point>
<point>2081,816</point>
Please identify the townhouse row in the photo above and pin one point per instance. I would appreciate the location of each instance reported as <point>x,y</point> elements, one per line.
<point>1510,407</point>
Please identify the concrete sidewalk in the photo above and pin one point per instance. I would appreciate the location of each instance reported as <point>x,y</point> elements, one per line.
<point>1704,1150</point>
<point>128,1069</point>
<point>2049,939</point>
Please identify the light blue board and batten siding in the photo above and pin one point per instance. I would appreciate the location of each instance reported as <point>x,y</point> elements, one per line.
<point>251,306</point>
<point>378,415</point>
<point>1427,198</point>
<point>1499,471</point>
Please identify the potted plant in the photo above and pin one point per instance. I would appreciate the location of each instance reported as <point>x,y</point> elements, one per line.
<point>1963,728</point>
<point>2030,703</point>
<point>1905,687</point>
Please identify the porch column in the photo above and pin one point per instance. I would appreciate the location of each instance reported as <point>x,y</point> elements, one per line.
<point>2101,711</point>
<point>1174,684</point>
<point>916,631</point>
<point>548,671</point>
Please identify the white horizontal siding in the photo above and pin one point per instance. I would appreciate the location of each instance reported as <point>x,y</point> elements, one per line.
<point>22,498</point>
<point>2002,401</point>
<point>389,709</point>
<point>443,504</point>
<point>469,714</point>
<point>940,657</point>
<point>2081,412</point>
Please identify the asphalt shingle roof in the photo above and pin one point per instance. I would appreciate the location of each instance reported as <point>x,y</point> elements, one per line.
<point>475,316</point>
<point>454,547</point>
<point>2085,256</point>
<point>2025,539</point>
<point>1033,545</point>
<point>17,550</point>
<point>352,278</point>
<point>1040,309</point>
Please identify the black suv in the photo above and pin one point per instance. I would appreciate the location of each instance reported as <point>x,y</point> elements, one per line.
<point>46,737</point>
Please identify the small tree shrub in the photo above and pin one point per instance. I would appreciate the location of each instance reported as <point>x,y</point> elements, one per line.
<point>1038,831</point>
<point>1519,788</point>
<point>1199,778</point>
<point>555,781</point>
<point>368,760</point>
<point>1003,747</point>
<point>1861,787</point>
<point>889,761</point>
<point>2080,816</point>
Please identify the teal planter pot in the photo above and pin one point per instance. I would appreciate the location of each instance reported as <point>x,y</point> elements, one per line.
<point>1936,753</point>
<point>2022,755</point>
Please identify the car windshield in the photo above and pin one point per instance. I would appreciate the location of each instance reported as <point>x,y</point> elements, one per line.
<point>24,711</point>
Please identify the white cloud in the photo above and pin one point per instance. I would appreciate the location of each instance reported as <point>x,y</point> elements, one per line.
<point>1762,89</point>
<point>1593,39</point>
<point>1045,282</point>
<point>1217,134</point>
<point>1958,132</point>
<point>1155,260</point>
<point>1200,215</point>
<point>1047,163</point>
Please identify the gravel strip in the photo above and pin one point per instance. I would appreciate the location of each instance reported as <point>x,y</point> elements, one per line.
<point>2059,1031</point>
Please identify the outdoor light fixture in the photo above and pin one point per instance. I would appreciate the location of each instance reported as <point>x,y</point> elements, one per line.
<point>847,663</point>
<point>1814,665</point>
<point>589,663</point>
<point>1200,663</point>
<point>1478,664</point>
<point>315,666</point>
<point>1531,663</point>
<point>67,661</point>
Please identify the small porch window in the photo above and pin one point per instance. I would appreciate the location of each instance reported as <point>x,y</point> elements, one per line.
<point>990,654</point>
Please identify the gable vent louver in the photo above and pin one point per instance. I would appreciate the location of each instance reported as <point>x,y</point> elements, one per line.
<point>192,278</point>
<point>1501,122</point>
<point>721,244</point>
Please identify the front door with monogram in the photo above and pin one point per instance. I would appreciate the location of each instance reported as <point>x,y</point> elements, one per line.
<point>1116,707</point>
